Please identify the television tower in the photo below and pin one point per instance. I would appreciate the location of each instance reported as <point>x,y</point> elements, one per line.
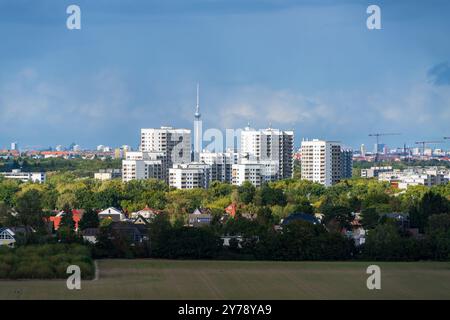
<point>197,128</point>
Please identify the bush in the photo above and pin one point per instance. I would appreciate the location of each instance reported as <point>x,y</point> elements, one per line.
<point>48,261</point>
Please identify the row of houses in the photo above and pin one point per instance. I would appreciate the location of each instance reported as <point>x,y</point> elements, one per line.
<point>134,224</point>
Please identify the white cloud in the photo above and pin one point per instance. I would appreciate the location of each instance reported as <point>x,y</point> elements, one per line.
<point>262,105</point>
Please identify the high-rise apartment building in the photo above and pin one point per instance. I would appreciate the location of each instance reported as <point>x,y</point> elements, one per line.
<point>144,165</point>
<point>221,164</point>
<point>257,172</point>
<point>174,143</point>
<point>270,145</point>
<point>251,172</point>
<point>346,163</point>
<point>321,161</point>
<point>14,146</point>
<point>362,150</point>
<point>190,175</point>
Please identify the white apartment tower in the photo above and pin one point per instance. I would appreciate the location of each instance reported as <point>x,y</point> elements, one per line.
<point>269,145</point>
<point>321,161</point>
<point>143,165</point>
<point>197,128</point>
<point>174,143</point>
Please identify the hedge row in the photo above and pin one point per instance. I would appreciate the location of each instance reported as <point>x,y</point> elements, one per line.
<point>48,261</point>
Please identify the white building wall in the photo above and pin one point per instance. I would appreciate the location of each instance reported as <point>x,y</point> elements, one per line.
<point>320,161</point>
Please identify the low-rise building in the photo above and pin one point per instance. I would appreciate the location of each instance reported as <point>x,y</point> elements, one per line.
<point>300,217</point>
<point>90,234</point>
<point>147,213</point>
<point>108,174</point>
<point>77,215</point>
<point>200,217</point>
<point>135,233</point>
<point>428,177</point>
<point>7,237</point>
<point>17,174</point>
<point>373,172</point>
<point>112,213</point>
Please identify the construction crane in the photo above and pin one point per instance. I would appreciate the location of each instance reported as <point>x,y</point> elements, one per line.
<point>424,143</point>
<point>377,136</point>
<point>405,151</point>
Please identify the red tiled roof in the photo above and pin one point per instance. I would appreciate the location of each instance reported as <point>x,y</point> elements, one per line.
<point>77,214</point>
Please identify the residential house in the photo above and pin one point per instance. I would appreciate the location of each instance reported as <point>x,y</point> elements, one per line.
<point>7,237</point>
<point>249,216</point>
<point>200,217</point>
<point>140,220</point>
<point>90,234</point>
<point>227,239</point>
<point>357,231</point>
<point>147,213</point>
<point>300,217</point>
<point>77,214</point>
<point>135,233</point>
<point>113,213</point>
<point>400,219</point>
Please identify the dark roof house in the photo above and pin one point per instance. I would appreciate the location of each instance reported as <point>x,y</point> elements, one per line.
<point>134,232</point>
<point>300,217</point>
<point>200,217</point>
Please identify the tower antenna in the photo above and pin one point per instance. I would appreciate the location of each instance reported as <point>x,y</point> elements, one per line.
<point>197,109</point>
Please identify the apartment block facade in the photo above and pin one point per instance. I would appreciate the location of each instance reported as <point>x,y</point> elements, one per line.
<point>221,164</point>
<point>190,175</point>
<point>323,162</point>
<point>270,145</point>
<point>144,165</point>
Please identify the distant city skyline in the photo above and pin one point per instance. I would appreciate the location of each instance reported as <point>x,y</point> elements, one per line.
<point>311,66</point>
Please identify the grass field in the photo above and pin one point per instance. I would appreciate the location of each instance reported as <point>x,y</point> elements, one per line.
<point>163,279</point>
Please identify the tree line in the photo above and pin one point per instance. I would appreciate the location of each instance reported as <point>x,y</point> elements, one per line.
<point>428,210</point>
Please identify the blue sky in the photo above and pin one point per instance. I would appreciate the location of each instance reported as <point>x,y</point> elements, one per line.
<point>308,65</point>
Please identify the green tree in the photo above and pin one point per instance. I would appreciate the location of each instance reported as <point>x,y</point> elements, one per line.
<point>29,209</point>
<point>438,232</point>
<point>246,192</point>
<point>67,220</point>
<point>6,218</point>
<point>337,217</point>
<point>8,188</point>
<point>66,200</point>
<point>89,220</point>
<point>369,217</point>
<point>268,196</point>
<point>385,243</point>
<point>303,206</point>
<point>431,203</point>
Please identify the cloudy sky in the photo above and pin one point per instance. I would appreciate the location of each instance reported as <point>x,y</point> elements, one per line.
<point>308,65</point>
